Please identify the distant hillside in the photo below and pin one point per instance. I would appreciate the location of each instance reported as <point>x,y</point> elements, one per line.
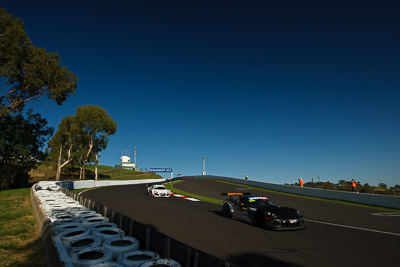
<point>48,172</point>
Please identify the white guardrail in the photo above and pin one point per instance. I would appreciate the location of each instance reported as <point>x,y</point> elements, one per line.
<point>93,183</point>
<point>360,198</point>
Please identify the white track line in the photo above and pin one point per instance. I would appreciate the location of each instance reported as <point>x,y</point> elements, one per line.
<point>353,227</point>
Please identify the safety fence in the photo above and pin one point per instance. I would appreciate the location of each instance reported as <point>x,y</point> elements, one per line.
<point>150,238</point>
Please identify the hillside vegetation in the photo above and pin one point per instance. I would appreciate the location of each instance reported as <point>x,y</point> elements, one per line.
<point>48,172</point>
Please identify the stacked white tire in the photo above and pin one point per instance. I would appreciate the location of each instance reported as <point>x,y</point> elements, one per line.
<point>137,257</point>
<point>120,245</point>
<point>87,238</point>
<point>90,256</point>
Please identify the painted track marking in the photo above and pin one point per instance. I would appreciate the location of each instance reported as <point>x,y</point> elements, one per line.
<point>185,197</point>
<point>353,227</point>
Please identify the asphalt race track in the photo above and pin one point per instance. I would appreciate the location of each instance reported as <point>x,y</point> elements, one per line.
<point>336,234</point>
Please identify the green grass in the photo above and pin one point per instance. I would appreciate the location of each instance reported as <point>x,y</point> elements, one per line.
<point>20,243</point>
<point>171,187</point>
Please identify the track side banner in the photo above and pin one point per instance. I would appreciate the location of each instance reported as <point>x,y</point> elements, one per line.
<point>160,170</point>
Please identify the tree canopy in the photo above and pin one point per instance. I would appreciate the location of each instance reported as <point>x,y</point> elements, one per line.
<point>21,140</point>
<point>28,72</point>
<point>81,136</point>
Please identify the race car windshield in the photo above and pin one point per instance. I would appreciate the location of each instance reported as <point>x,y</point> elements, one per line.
<point>159,187</point>
<point>261,202</point>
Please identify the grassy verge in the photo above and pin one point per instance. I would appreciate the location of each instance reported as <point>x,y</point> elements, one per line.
<point>171,187</point>
<point>20,243</point>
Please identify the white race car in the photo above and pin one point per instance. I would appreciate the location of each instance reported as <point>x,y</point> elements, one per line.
<point>158,190</point>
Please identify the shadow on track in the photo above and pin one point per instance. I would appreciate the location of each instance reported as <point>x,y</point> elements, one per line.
<point>257,260</point>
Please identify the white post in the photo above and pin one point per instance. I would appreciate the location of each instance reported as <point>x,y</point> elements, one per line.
<point>204,165</point>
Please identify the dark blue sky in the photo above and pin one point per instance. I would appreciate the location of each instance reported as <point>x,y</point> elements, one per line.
<point>275,89</point>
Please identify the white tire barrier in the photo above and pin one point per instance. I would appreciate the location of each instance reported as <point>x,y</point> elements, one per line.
<point>54,188</point>
<point>90,256</point>
<point>119,245</point>
<point>76,208</point>
<point>82,212</point>
<point>102,225</point>
<point>94,220</point>
<point>89,238</point>
<point>61,217</point>
<point>161,262</point>
<point>73,234</point>
<point>108,264</point>
<point>88,216</point>
<point>56,214</point>
<point>67,226</point>
<point>83,242</point>
<point>63,221</point>
<point>49,199</point>
<point>106,233</point>
<point>137,257</point>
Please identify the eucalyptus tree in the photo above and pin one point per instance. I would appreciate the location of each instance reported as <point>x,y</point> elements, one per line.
<point>28,72</point>
<point>81,136</point>
<point>66,143</point>
<point>97,126</point>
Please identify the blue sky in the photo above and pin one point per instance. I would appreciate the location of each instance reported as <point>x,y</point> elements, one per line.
<point>277,90</point>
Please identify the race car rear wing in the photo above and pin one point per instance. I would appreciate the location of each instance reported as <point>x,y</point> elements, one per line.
<point>235,194</point>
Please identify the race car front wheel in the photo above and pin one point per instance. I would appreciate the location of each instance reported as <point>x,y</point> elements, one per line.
<point>226,210</point>
<point>259,219</point>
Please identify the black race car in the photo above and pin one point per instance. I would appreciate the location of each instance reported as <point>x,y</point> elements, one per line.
<point>261,211</point>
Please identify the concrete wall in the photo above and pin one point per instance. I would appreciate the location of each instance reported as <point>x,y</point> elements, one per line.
<point>93,183</point>
<point>360,198</point>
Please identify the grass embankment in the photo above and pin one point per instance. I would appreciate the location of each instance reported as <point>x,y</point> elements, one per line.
<point>20,243</point>
<point>47,172</point>
<point>171,187</point>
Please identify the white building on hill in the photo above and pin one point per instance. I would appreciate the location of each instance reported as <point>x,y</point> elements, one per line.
<point>127,164</point>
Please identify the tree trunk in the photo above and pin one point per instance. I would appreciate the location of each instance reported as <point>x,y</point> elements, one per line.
<point>59,166</point>
<point>85,160</point>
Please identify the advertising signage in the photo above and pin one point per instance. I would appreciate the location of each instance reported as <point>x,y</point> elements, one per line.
<point>160,169</point>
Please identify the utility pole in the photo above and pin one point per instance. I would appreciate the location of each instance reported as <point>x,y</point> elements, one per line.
<point>204,165</point>
<point>134,157</point>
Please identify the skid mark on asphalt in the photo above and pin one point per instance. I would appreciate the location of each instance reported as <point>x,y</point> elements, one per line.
<point>353,227</point>
<point>185,197</point>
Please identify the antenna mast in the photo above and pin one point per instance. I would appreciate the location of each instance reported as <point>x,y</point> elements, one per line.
<point>204,165</point>
<point>134,155</point>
